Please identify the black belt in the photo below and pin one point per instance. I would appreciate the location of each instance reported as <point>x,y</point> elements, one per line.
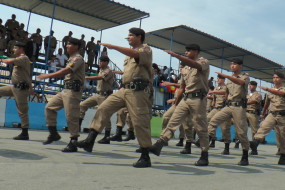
<point>141,85</point>
<point>22,86</point>
<point>107,93</point>
<point>236,104</point>
<point>275,113</point>
<point>195,95</point>
<point>73,85</point>
<point>218,108</point>
<point>252,112</point>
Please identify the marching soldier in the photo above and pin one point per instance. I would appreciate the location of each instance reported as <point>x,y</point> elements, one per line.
<point>195,85</point>
<point>21,84</point>
<point>105,80</point>
<point>69,98</point>
<point>136,95</point>
<point>275,104</point>
<point>237,87</point>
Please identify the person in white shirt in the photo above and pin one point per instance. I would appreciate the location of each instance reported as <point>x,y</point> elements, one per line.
<point>62,58</point>
<point>53,63</point>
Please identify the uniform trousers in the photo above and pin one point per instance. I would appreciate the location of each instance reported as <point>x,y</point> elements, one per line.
<point>69,100</point>
<point>270,122</point>
<point>253,120</point>
<point>238,113</point>
<point>195,110</point>
<point>138,104</point>
<point>225,127</point>
<point>21,98</point>
<point>92,101</point>
<point>123,117</point>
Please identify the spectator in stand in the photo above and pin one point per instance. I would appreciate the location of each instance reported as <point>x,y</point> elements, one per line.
<point>165,71</point>
<point>25,38</point>
<point>104,52</point>
<point>90,49</point>
<point>62,58</point>
<point>2,28</point>
<point>32,48</point>
<point>211,83</point>
<point>21,31</point>
<point>97,50</point>
<point>82,46</point>
<point>3,43</point>
<point>37,37</point>
<point>53,63</point>
<point>11,43</point>
<point>53,43</point>
<point>11,24</point>
<point>65,40</point>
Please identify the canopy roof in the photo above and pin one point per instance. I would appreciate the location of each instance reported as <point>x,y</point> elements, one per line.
<point>92,14</point>
<point>219,52</point>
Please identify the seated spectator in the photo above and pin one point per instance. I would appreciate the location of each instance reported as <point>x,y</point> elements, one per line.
<point>62,58</point>
<point>104,52</point>
<point>53,63</point>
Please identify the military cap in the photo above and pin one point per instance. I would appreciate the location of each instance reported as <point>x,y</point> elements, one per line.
<point>280,75</point>
<point>237,61</point>
<point>104,58</point>
<point>253,83</point>
<point>221,77</point>
<point>192,47</point>
<point>20,44</point>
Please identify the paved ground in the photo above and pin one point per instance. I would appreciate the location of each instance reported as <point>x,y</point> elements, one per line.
<point>29,165</point>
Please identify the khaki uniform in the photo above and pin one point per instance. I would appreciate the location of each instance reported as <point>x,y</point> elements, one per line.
<point>253,111</point>
<point>123,117</point>
<point>236,94</point>
<point>11,25</point>
<point>21,74</point>
<point>218,105</point>
<point>104,88</point>
<point>38,39</point>
<point>68,98</point>
<point>274,120</point>
<point>138,102</point>
<point>193,107</point>
<point>3,46</point>
<point>53,44</point>
<point>82,47</point>
<point>90,47</point>
<point>3,28</point>
<point>209,105</point>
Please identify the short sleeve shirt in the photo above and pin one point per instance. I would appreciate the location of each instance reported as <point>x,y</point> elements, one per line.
<point>106,84</point>
<point>220,99</point>
<point>238,92</point>
<point>76,64</point>
<point>254,96</point>
<point>197,80</point>
<point>21,71</point>
<point>38,38</point>
<point>141,68</point>
<point>91,46</point>
<point>277,103</point>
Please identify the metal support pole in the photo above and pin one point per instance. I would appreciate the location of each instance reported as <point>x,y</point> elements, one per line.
<point>222,61</point>
<point>140,23</point>
<point>49,38</point>
<point>29,21</point>
<point>171,44</point>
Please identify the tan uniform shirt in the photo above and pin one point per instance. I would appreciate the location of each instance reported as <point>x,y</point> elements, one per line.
<point>238,92</point>
<point>12,24</point>
<point>76,64</point>
<point>106,84</point>
<point>220,99</point>
<point>3,28</point>
<point>38,38</point>
<point>53,42</point>
<point>21,71</point>
<point>141,68</point>
<point>254,96</point>
<point>197,80</point>
<point>277,103</point>
<point>90,47</point>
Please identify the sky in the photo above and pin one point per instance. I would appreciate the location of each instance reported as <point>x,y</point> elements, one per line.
<point>255,25</point>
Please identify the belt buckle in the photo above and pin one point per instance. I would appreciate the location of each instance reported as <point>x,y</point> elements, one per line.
<point>133,86</point>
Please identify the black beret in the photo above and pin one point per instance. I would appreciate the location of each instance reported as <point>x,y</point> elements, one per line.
<point>192,47</point>
<point>237,61</point>
<point>20,44</point>
<point>221,77</point>
<point>253,83</point>
<point>137,31</point>
<point>104,58</point>
<point>74,41</point>
<point>280,75</point>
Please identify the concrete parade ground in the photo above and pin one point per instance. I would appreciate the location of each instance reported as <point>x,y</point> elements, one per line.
<point>30,165</point>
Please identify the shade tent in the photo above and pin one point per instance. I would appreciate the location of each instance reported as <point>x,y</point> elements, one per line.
<point>93,14</point>
<point>217,51</point>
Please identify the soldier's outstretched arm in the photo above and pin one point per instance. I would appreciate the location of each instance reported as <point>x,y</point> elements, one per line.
<point>126,51</point>
<point>58,74</point>
<point>233,79</point>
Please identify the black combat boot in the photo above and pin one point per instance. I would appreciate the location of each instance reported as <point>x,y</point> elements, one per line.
<point>212,144</point>
<point>24,135</point>
<point>53,136</point>
<point>244,158</point>
<point>88,143</point>
<point>130,136</point>
<point>156,147</point>
<point>80,123</point>
<point>118,135</point>
<point>237,144</point>
<point>106,138</point>
<point>144,160</point>
<point>227,149</point>
<point>203,161</point>
<point>281,159</point>
<point>187,148</point>
<point>139,150</point>
<point>70,147</point>
<point>278,152</point>
<point>197,143</point>
<point>180,143</point>
<point>253,145</point>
